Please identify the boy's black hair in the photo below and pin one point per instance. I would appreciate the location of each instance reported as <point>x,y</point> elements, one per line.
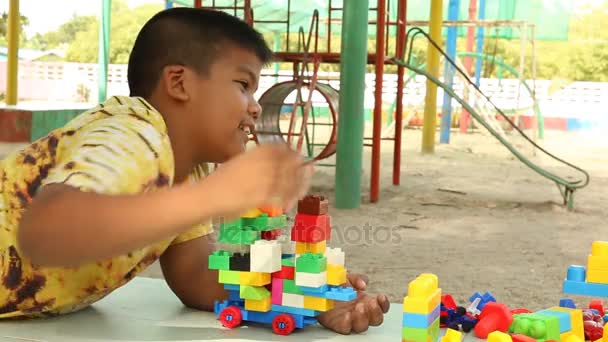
<point>192,37</point>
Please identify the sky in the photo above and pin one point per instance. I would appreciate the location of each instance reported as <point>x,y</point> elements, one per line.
<point>47,15</point>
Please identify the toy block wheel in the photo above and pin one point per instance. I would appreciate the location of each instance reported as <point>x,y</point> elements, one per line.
<point>283,324</point>
<point>231,317</point>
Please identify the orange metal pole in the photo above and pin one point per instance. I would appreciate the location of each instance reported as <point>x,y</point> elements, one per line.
<point>377,125</point>
<point>468,61</point>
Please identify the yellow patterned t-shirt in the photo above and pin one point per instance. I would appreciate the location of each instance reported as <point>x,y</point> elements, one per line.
<point>118,147</point>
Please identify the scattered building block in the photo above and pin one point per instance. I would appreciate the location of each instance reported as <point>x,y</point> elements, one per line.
<point>452,335</point>
<point>499,336</point>
<point>538,326</point>
<point>576,320</point>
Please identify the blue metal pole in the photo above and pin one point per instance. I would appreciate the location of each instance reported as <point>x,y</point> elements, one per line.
<point>168,4</point>
<point>480,38</point>
<point>446,116</point>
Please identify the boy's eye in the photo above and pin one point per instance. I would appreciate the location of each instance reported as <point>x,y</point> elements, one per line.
<point>244,84</point>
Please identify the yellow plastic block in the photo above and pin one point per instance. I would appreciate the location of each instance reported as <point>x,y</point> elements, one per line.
<point>570,337</point>
<point>318,304</point>
<point>597,276</point>
<point>255,278</point>
<point>423,294</point>
<point>576,320</point>
<point>499,336</point>
<point>306,247</point>
<point>336,275</point>
<point>452,335</point>
<point>262,305</point>
<point>252,213</point>
<point>599,248</point>
<point>597,262</point>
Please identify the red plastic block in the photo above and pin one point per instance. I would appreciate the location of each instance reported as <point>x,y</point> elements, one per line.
<point>286,272</point>
<point>493,317</point>
<point>597,305</point>
<point>448,301</point>
<point>522,338</point>
<point>311,228</point>
<point>271,234</point>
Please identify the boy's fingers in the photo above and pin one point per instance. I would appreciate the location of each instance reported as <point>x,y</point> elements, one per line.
<point>384,303</point>
<point>358,281</point>
<point>374,313</point>
<point>360,319</point>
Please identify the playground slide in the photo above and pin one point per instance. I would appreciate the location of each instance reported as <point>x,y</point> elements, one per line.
<point>567,187</point>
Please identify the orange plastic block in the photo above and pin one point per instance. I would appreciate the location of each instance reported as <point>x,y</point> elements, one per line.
<point>262,305</point>
<point>423,294</point>
<point>271,211</point>
<point>255,278</point>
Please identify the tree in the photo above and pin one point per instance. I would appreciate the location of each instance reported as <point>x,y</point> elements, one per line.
<point>23,23</point>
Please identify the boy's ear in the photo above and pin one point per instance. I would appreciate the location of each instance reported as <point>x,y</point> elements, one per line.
<point>174,81</point>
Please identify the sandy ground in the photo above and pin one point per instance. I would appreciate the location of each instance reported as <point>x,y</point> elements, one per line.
<point>499,227</point>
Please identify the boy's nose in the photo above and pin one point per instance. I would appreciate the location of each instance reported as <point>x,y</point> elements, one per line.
<point>255,109</point>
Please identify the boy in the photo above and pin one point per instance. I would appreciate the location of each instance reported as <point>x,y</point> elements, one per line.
<point>87,208</point>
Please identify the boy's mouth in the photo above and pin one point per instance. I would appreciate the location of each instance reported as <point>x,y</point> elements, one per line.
<point>247,128</point>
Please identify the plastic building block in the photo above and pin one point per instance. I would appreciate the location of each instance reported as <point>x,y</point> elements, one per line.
<point>229,277</point>
<point>311,279</point>
<point>565,323</point>
<point>597,276</point>
<point>576,320</point>
<point>335,256</point>
<point>538,326</point>
<point>448,301</point>
<point>567,303</point>
<point>286,272</point>
<point>277,291</point>
<point>522,338</point>
<point>254,292</point>
<point>314,291</point>
<point>575,283</point>
<point>254,278</point>
<point>256,223</point>
<point>313,205</point>
<point>277,222</point>
<point>293,300</point>
<point>336,275</point>
<point>241,236</point>
<point>598,305</point>
<point>311,263</point>
<point>252,213</point>
<point>288,261</point>
<point>431,333</point>
<point>271,211</point>
<point>265,256</point>
<point>499,336</point>
<point>262,305</point>
<point>240,262</point>
<point>495,317</point>
<point>484,299</point>
<point>289,286</point>
<point>318,304</point>
<point>307,247</point>
<point>232,287</point>
<point>414,320</point>
<point>342,294</point>
<point>452,335</point>
<point>294,310</point>
<point>270,235</point>
<point>220,260</point>
<point>311,228</point>
<point>570,337</point>
<point>423,295</point>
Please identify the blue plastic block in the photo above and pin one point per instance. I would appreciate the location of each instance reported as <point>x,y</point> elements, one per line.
<point>294,311</point>
<point>606,318</point>
<point>422,321</point>
<point>234,295</point>
<point>565,323</point>
<point>585,289</point>
<point>314,291</point>
<point>343,294</point>
<point>485,299</point>
<point>232,287</point>
<point>567,303</point>
<point>576,273</point>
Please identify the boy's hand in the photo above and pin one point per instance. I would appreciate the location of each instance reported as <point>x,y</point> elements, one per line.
<point>356,315</point>
<point>267,175</point>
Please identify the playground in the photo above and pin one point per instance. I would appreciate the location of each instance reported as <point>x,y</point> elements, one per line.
<point>462,165</point>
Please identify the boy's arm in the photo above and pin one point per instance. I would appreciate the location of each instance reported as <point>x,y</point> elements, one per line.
<point>186,271</point>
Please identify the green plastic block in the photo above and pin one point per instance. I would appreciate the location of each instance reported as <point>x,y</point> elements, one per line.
<point>254,292</point>
<point>421,334</point>
<point>259,223</point>
<point>277,222</point>
<point>244,236</point>
<point>238,223</point>
<point>288,262</point>
<point>289,286</point>
<point>538,326</point>
<point>220,260</point>
<point>230,277</point>
<point>311,263</point>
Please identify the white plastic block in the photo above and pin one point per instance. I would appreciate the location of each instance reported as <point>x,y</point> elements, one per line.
<point>311,279</point>
<point>287,246</point>
<point>293,300</point>
<point>265,256</point>
<point>335,256</point>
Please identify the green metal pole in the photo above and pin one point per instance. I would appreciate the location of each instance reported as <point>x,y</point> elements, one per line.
<point>277,47</point>
<point>352,88</point>
<point>104,49</point>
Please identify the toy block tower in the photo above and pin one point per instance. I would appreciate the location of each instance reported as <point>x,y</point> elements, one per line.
<point>265,284</point>
<point>421,310</point>
<point>593,279</point>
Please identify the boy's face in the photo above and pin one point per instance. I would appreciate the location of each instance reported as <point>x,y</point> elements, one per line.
<point>222,108</point>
